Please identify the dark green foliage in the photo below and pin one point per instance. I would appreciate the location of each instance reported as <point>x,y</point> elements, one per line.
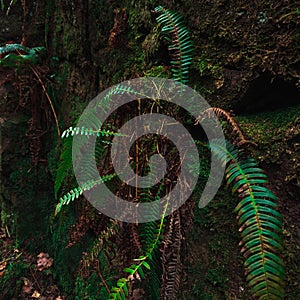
<point>65,165</point>
<point>14,271</point>
<point>66,259</point>
<point>15,55</point>
<point>136,271</point>
<point>180,41</point>
<point>259,223</point>
<point>151,234</point>
<point>88,290</point>
<point>76,192</point>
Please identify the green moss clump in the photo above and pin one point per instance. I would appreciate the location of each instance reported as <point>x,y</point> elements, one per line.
<point>272,132</point>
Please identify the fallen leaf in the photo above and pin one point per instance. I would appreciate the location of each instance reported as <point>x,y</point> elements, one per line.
<point>44,261</point>
<point>27,287</point>
<point>3,265</point>
<point>36,294</point>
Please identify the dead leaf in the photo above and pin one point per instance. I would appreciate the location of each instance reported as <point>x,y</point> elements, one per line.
<point>44,261</point>
<point>36,294</point>
<point>219,83</point>
<point>27,287</point>
<point>3,265</point>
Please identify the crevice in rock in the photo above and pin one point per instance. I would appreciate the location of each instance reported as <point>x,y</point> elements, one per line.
<point>267,93</point>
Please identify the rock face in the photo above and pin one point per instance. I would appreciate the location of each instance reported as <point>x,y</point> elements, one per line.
<point>11,25</point>
<point>246,37</point>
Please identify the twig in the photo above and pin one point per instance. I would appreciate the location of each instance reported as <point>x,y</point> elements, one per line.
<point>102,279</point>
<point>47,96</point>
<point>36,282</point>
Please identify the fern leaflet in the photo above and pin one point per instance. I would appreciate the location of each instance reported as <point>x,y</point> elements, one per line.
<point>76,192</point>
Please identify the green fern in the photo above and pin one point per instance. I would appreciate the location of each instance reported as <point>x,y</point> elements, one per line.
<point>148,233</point>
<point>259,223</point>
<point>136,271</point>
<point>9,48</point>
<point>181,43</point>
<point>71,131</point>
<point>92,254</point>
<point>91,128</point>
<point>151,234</point>
<point>119,89</point>
<point>65,165</point>
<point>76,192</point>
<point>16,54</point>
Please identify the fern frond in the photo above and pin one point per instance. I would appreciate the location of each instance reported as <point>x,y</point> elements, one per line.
<point>119,89</point>
<point>171,260</point>
<point>259,223</point>
<point>71,131</point>
<point>104,103</point>
<point>9,48</point>
<point>136,237</point>
<point>148,232</point>
<point>76,192</point>
<point>16,54</point>
<point>181,44</point>
<point>65,165</point>
<point>93,253</point>
<point>136,271</point>
<point>230,127</point>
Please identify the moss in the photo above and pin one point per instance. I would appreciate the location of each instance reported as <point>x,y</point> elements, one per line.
<point>213,261</point>
<point>11,283</point>
<point>93,286</point>
<point>271,131</point>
